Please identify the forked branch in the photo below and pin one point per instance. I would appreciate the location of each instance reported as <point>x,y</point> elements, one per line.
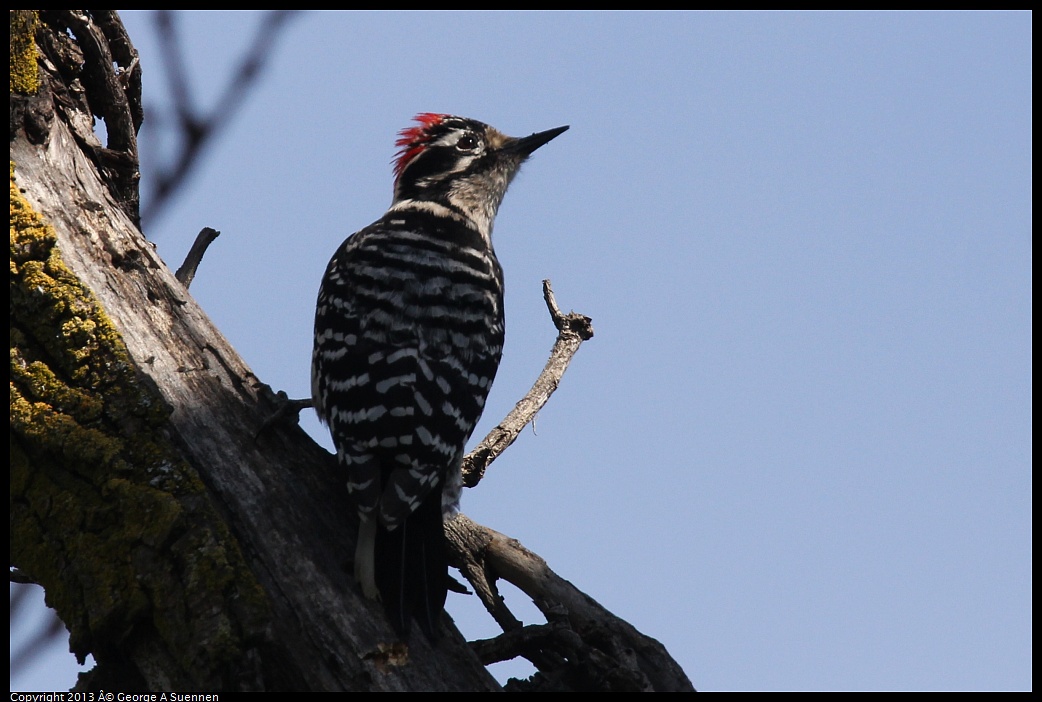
<point>572,330</point>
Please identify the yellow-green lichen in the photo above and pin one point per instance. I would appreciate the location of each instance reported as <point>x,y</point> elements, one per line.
<point>98,501</point>
<point>24,72</point>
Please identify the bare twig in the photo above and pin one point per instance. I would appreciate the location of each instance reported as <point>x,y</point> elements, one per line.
<point>467,548</point>
<point>509,645</point>
<point>582,638</point>
<point>287,411</point>
<point>196,128</point>
<point>573,329</point>
<point>186,272</point>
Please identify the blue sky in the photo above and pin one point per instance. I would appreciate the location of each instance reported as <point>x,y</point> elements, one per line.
<point>798,449</point>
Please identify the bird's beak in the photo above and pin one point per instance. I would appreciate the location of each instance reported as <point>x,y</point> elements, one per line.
<point>526,145</point>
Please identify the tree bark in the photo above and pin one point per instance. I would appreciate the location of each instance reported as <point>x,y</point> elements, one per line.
<point>181,549</point>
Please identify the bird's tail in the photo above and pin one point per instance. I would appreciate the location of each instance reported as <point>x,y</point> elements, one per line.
<point>412,570</point>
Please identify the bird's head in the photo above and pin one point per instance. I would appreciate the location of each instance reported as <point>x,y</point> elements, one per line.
<point>460,163</point>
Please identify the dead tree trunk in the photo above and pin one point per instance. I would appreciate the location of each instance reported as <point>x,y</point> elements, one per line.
<point>180,550</point>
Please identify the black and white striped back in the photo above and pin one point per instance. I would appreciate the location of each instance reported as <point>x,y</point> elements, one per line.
<point>410,326</point>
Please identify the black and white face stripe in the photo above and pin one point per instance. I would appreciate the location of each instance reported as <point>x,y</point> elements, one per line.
<point>456,151</point>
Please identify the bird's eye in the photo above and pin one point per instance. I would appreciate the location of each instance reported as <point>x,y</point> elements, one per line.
<point>467,142</point>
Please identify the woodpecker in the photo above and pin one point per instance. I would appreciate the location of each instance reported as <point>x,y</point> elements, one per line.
<point>408,338</point>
